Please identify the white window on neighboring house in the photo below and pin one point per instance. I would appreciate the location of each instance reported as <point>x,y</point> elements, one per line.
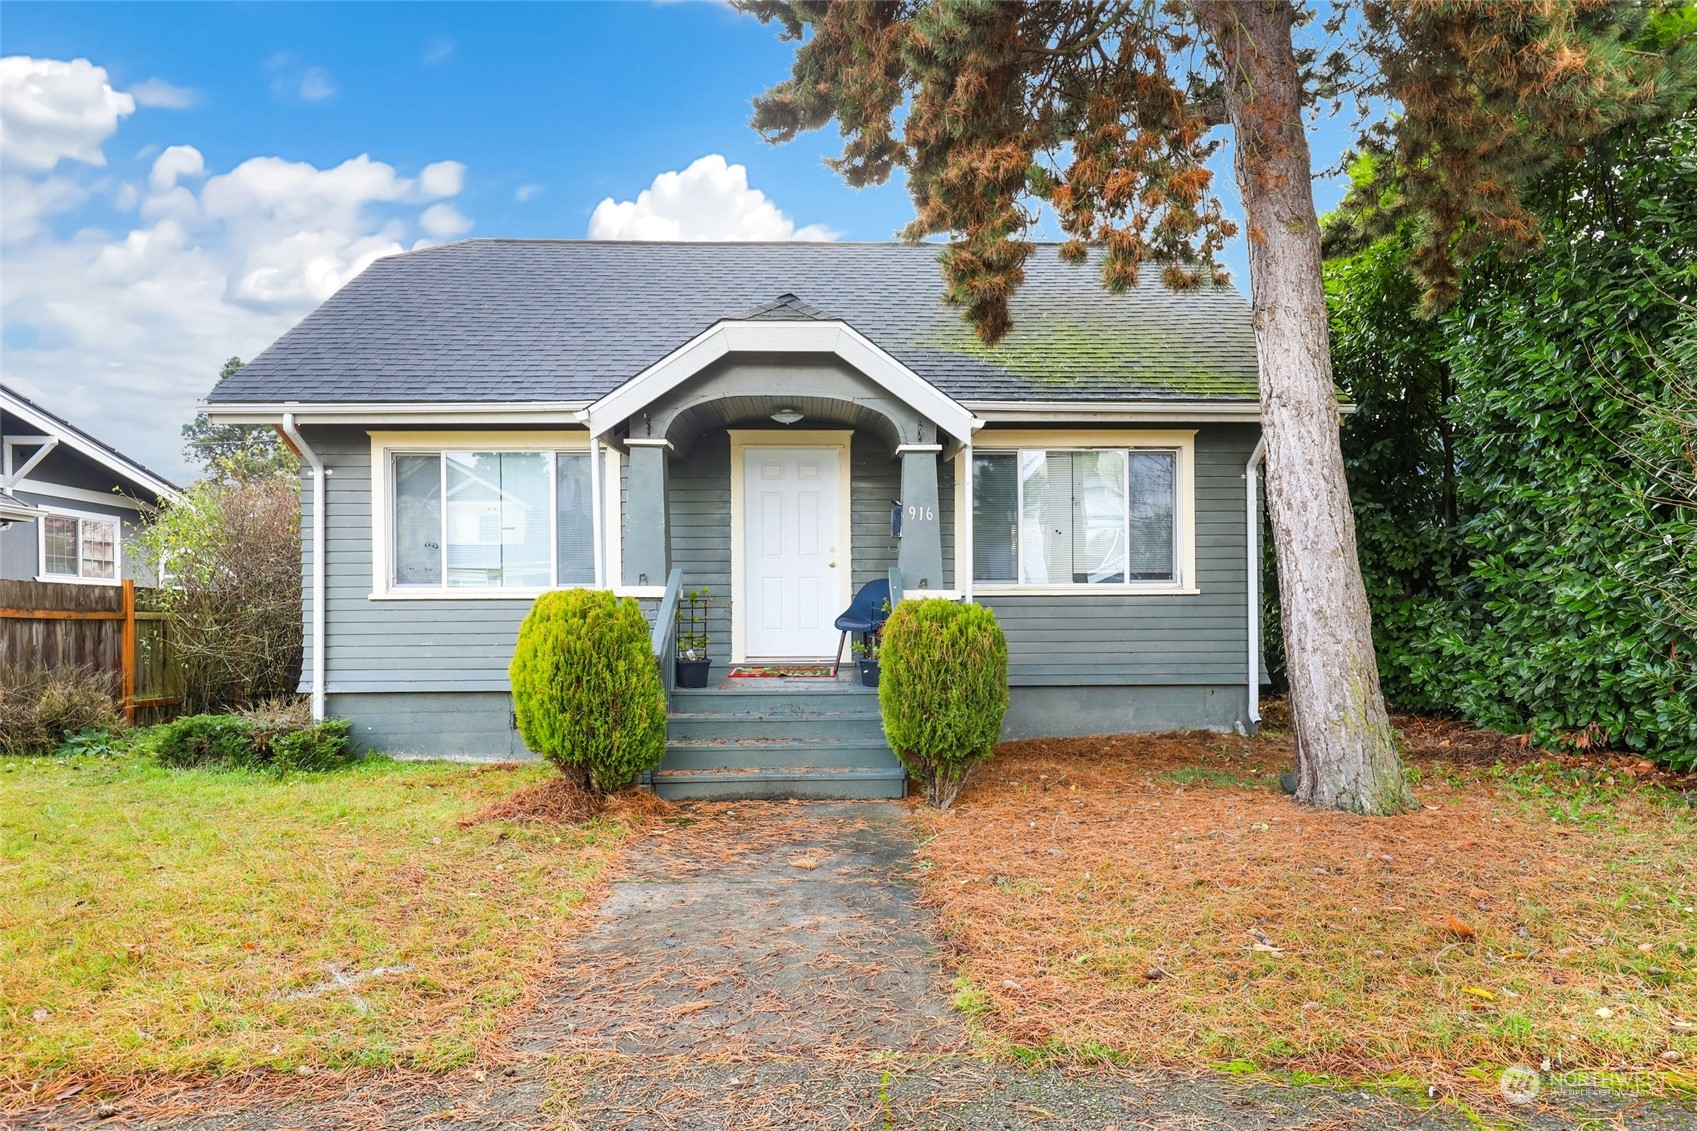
<point>79,548</point>
<point>1070,517</point>
<point>490,519</point>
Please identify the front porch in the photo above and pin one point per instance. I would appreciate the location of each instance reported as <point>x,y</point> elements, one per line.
<point>777,737</point>
<point>778,464</point>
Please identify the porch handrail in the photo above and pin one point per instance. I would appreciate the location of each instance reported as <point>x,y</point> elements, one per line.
<point>896,590</point>
<point>665,634</point>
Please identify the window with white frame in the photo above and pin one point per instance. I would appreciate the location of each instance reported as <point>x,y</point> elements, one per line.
<point>1076,516</point>
<point>80,547</point>
<point>490,519</point>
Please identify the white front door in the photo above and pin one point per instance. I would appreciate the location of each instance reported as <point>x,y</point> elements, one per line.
<point>795,560</point>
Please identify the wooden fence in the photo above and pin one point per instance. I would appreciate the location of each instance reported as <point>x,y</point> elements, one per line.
<point>103,628</point>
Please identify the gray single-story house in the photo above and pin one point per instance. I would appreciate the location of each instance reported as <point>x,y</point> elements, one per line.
<point>70,505</point>
<point>779,423</point>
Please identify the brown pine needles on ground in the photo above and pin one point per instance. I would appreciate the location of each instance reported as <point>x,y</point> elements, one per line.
<point>556,800</point>
<point>1158,900</point>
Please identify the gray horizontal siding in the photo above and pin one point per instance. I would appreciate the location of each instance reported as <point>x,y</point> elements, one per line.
<point>699,498</point>
<point>405,645</point>
<point>20,543</point>
<point>1074,640</point>
<point>1100,640</point>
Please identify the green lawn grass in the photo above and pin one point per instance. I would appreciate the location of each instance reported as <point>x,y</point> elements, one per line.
<point>178,920</point>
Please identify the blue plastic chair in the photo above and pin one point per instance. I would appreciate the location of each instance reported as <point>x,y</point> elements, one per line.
<point>866,613</point>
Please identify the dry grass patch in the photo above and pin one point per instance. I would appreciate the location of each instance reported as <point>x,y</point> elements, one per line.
<point>199,921</point>
<point>1158,900</point>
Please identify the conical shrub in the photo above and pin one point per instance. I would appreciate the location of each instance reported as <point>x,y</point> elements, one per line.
<point>586,688</point>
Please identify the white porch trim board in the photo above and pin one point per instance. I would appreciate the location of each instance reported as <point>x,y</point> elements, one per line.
<point>818,337</point>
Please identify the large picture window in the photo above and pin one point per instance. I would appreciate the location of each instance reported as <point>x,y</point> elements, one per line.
<point>77,547</point>
<point>491,519</point>
<point>1083,516</point>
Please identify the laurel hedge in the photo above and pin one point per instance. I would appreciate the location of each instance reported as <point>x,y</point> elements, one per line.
<point>586,688</point>
<point>942,689</point>
<point>1524,467</point>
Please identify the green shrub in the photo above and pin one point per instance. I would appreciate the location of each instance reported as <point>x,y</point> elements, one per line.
<point>241,742</point>
<point>40,709</point>
<point>943,689</point>
<point>586,689</point>
<point>204,740</point>
<point>313,748</point>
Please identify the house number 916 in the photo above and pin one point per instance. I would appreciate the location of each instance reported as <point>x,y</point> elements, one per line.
<point>921,514</point>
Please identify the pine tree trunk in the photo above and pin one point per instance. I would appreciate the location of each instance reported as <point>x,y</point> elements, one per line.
<point>1346,751</point>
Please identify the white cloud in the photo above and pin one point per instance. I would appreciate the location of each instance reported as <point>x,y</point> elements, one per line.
<point>176,162</point>
<point>710,200</point>
<point>123,331</point>
<point>443,221</point>
<point>294,81</point>
<point>442,178</point>
<point>527,192</point>
<point>159,94</point>
<point>439,50</point>
<point>52,111</point>
<point>316,85</point>
<point>25,202</point>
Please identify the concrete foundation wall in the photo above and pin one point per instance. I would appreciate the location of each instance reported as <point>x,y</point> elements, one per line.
<point>1063,712</point>
<point>479,725</point>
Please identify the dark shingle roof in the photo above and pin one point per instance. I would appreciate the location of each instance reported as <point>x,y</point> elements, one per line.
<point>572,320</point>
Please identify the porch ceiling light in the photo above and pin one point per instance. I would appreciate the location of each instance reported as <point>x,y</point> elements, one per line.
<point>786,416</point>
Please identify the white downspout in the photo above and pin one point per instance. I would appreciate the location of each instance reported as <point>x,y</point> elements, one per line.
<point>597,509</point>
<point>963,526</point>
<point>318,474</point>
<point>1252,567</point>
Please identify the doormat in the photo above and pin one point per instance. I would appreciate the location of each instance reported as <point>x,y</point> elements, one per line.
<point>784,671</point>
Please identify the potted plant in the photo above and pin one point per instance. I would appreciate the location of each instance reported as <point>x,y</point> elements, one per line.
<point>866,657</point>
<point>692,661</point>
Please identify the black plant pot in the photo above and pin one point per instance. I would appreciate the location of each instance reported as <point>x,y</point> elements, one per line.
<point>868,672</point>
<point>693,673</point>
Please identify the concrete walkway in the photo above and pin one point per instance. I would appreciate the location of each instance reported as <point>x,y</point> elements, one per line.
<point>757,928</point>
<point>766,965</point>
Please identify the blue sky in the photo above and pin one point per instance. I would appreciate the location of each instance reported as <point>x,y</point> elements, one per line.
<point>212,171</point>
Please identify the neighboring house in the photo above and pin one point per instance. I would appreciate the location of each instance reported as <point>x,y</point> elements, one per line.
<point>499,417</point>
<point>70,505</point>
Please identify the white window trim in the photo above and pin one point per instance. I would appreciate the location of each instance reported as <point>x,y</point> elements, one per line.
<point>117,522</point>
<point>1183,441</point>
<point>385,444</point>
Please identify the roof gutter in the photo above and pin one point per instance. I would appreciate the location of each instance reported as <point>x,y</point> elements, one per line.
<point>298,442</point>
<point>553,413</point>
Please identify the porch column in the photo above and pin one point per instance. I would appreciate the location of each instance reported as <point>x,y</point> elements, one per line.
<point>920,551</point>
<point>647,541</point>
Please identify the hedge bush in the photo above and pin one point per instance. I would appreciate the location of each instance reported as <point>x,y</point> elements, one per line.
<point>586,689</point>
<point>943,689</point>
<point>253,741</point>
<point>1524,467</point>
<point>40,709</point>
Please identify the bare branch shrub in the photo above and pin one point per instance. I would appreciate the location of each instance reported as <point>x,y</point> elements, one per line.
<point>39,707</point>
<point>230,555</point>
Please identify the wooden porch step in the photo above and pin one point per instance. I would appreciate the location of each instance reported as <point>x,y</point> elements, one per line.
<point>743,755</point>
<point>775,782</point>
<point>731,725</point>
